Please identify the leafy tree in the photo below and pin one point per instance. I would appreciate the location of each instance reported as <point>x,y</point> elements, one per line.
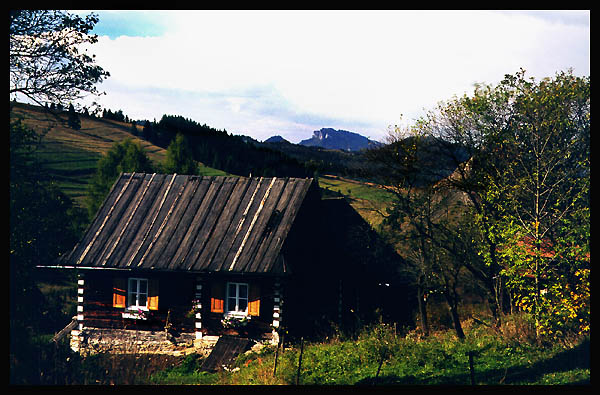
<point>479,125</point>
<point>179,157</point>
<point>422,220</point>
<point>521,156</point>
<point>46,67</point>
<point>526,177</point>
<point>44,57</point>
<point>43,222</point>
<point>550,203</point>
<point>123,157</point>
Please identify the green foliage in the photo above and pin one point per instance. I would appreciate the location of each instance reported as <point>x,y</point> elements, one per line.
<point>526,187</point>
<point>124,157</point>
<point>187,372</point>
<point>540,199</point>
<point>45,62</point>
<point>179,157</point>
<point>43,223</point>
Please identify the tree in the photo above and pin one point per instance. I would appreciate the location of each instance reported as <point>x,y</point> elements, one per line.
<point>134,129</point>
<point>179,157</point>
<point>422,219</point>
<point>526,178</point>
<point>123,157</point>
<point>43,222</point>
<point>45,60</point>
<point>148,131</point>
<point>551,196</point>
<point>73,121</point>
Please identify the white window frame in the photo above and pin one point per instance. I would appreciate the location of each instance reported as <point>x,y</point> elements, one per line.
<point>233,310</point>
<point>131,292</point>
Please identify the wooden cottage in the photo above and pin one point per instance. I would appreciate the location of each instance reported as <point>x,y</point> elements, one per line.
<point>199,257</point>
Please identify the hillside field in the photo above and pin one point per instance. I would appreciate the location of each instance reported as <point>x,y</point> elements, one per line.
<point>71,155</point>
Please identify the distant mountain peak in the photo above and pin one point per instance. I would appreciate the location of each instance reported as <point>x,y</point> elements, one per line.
<point>276,139</point>
<point>338,139</point>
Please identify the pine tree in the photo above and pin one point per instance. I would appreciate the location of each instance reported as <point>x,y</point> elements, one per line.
<point>73,121</point>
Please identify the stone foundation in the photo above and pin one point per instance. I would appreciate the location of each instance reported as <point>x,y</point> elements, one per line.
<point>126,341</point>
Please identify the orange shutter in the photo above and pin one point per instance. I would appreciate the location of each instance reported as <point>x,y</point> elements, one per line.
<point>153,294</point>
<point>119,292</point>
<point>217,298</point>
<point>254,300</point>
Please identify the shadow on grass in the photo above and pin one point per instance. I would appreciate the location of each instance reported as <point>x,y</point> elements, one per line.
<point>575,358</point>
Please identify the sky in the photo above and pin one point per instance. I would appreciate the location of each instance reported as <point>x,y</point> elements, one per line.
<point>289,73</point>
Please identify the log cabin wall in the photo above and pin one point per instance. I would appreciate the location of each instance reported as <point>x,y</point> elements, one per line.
<point>258,327</point>
<point>176,294</point>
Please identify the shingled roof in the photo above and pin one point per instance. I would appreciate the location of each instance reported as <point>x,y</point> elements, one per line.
<point>191,223</point>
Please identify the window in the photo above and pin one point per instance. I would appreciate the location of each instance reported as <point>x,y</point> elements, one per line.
<point>137,294</point>
<point>237,298</point>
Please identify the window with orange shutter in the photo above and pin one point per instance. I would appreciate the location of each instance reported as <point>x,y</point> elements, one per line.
<point>254,300</point>
<point>217,298</point>
<point>153,294</point>
<point>119,292</point>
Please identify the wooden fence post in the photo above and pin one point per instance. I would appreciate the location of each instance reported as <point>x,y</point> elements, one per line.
<point>276,356</point>
<point>300,360</point>
<point>380,364</point>
<point>471,368</point>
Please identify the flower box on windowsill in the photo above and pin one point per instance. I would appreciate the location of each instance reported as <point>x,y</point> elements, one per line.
<point>235,320</point>
<point>134,315</point>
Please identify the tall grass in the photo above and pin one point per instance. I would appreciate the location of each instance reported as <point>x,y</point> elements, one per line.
<point>380,356</point>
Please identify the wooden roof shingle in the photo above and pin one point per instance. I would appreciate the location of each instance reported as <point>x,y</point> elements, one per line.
<point>191,223</point>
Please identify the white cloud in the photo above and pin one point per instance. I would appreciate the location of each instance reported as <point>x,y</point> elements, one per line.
<point>265,72</point>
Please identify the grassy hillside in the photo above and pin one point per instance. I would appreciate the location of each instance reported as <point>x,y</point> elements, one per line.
<point>71,155</point>
<point>366,198</point>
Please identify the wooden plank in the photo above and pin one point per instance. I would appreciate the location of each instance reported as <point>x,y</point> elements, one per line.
<point>159,256</point>
<point>223,235</point>
<point>257,235</point>
<point>147,221</point>
<point>189,240</point>
<point>224,223</point>
<point>212,223</point>
<point>251,202</point>
<point>129,215</point>
<point>242,222</point>
<point>225,352</point>
<point>180,240</point>
<point>118,219</point>
<point>98,222</point>
<point>75,254</point>
<point>282,206</point>
<point>172,197</point>
<point>127,246</point>
<point>160,214</point>
<point>205,232</point>
<point>274,247</point>
<point>70,326</point>
<point>255,217</point>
